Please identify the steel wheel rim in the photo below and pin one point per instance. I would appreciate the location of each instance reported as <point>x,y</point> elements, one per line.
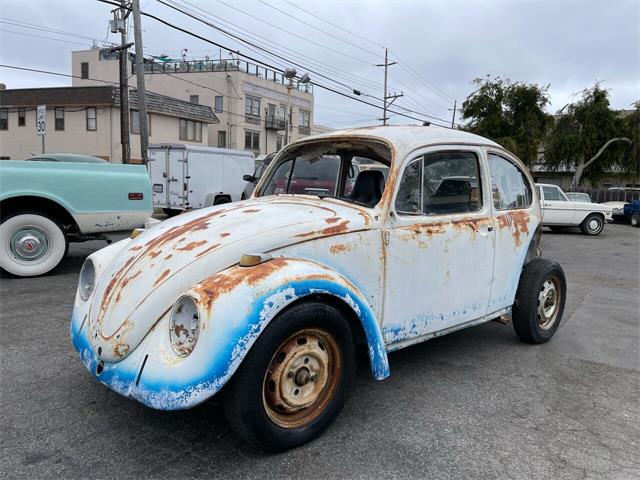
<point>549,300</point>
<point>594,224</point>
<point>302,378</point>
<point>29,244</point>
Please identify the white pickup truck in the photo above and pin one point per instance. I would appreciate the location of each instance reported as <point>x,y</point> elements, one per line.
<point>558,212</point>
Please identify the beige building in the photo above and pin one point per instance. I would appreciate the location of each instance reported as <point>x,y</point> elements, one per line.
<point>250,101</point>
<point>86,120</point>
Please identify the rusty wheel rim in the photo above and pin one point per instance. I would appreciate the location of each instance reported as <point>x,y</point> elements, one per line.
<point>549,303</point>
<point>302,378</point>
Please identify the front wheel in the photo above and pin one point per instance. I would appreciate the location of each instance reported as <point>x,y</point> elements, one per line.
<point>593,224</point>
<point>635,219</point>
<point>31,244</point>
<point>540,300</point>
<point>295,380</point>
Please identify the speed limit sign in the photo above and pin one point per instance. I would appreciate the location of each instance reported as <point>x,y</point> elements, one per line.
<point>41,119</point>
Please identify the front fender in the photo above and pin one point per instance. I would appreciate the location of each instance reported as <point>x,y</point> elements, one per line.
<point>235,306</point>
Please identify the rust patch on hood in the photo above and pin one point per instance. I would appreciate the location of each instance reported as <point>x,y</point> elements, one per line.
<point>341,248</point>
<point>191,245</point>
<point>208,249</point>
<point>334,230</point>
<point>251,210</point>
<point>213,287</point>
<point>161,278</point>
<point>155,253</point>
<point>168,256</point>
<point>136,248</point>
<point>332,220</point>
<point>224,234</point>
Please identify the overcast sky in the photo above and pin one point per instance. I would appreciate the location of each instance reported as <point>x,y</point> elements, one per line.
<point>440,47</point>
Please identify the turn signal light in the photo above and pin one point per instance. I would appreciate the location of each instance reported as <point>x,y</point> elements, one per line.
<point>136,196</point>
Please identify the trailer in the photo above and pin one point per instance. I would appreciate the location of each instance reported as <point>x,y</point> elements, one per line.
<point>186,177</point>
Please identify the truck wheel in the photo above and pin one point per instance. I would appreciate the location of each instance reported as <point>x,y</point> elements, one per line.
<point>295,380</point>
<point>592,225</point>
<point>171,212</point>
<point>540,299</point>
<point>31,244</point>
<point>635,219</point>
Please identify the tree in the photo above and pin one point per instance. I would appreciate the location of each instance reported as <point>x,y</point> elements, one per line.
<point>591,138</point>
<point>512,114</point>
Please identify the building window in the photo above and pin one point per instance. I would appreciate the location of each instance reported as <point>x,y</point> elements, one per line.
<point>218,108</point>
<point>222,139</point>
<point>251,140</point>
<point>194,99</point>
<point>190,130</point>
<point>92,120</point>
<point>22,117</point>
<point>305,118</point>
<point>279,142</point>
<point>84,70</point>
<point>59,118</point>
<point>4,119</point>
<point>134,122</point>
<point>252,106</point>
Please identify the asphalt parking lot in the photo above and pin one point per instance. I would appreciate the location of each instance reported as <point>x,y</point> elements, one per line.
<point>473,404</point>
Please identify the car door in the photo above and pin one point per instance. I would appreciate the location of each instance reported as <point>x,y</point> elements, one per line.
<point>158,167</point>
<point>439,245</point>
<point>556,207</point>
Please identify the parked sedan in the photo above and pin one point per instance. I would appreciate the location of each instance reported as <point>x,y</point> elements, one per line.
<point>558,212</point>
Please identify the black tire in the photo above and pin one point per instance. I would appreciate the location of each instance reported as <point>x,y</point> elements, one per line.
<point>635,219</point>
<point>245,397</point>
<point>528,323</point>
<point>593,224</point>
<point>221,200</point>
<point>557,229</point>
<point>171,212</point>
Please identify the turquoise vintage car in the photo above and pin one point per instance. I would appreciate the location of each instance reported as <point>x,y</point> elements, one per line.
<point>44,205</point>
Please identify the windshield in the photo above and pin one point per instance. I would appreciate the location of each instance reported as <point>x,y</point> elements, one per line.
<point>344,170</point>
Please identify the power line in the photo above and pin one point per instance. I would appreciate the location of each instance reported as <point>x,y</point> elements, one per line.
<point>333,24</point>
<point>376,54</point>
<point>41,36</point>
<point>324,87</point>
<point>48,72</point>
<point>334,71</point>
<point>31,26</point>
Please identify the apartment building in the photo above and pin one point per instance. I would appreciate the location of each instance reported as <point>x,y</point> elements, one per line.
<point>87,120</point>
<point>250,101</point>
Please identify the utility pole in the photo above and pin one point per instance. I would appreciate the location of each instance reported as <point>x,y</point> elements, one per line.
<point>393,97</point>
<point>453,119</point>
<point>142,97</point>
<point>119,24</point>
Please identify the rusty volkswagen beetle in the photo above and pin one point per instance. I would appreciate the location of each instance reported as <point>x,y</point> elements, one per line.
<point>266,301</point>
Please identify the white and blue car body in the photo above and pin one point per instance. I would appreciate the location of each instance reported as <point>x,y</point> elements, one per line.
<point>406,275</point>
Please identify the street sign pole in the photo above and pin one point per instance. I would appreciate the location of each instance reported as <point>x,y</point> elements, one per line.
<point>41,123</point>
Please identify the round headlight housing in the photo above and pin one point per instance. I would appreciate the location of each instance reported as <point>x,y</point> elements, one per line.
<point>184,326</point>
<point>87,280</point>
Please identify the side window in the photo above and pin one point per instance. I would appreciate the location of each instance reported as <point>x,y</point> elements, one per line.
<point>552,193</point>
<point>451,183</point>
<point>409,198</point>
<point>510,188</point>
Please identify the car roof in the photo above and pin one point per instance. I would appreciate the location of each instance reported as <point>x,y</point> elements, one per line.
<point>406,138</point>
<point>68,157</point>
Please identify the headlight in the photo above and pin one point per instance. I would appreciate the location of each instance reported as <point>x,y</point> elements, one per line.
<point>184,326</point>
<point>87,280</point>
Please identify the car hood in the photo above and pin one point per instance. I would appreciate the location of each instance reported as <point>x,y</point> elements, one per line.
<point>145,278</point>
<point>615,204</point>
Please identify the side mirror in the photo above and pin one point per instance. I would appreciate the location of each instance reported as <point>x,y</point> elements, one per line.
<point>249,178</point>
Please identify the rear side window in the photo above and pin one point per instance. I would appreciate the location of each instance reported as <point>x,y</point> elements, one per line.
<point>441,182</point>
<point>510,188</point>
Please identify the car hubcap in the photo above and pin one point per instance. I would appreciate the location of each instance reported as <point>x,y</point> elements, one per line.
<point>548,303</point>
<point>594,225</point>
<point>29,244</point>
<point>301,378</point>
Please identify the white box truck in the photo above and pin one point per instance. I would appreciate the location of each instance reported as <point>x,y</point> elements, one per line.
<point>191,176</point>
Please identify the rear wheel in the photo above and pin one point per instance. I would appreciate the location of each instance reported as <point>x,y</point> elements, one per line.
<point>295,380</point>
<point>635,219</point>
<point>31,244</point>
<point>540,300</point>
<point>593,224</point>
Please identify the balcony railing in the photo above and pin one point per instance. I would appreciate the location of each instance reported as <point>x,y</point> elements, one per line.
<point>272,122</point>
<point>199,66</point>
